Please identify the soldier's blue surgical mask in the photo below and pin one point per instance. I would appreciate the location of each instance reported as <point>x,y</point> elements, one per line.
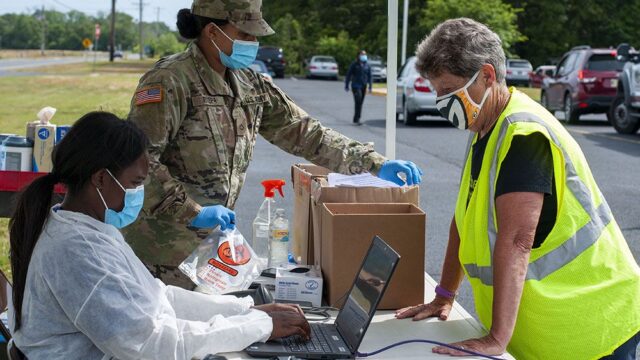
<point>243,53</point>
<point>363,58</point>
<point>133,200</point>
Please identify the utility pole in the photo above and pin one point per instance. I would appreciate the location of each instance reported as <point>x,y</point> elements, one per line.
<point>112,34</point>
<point>405,25</point>
<point>141,4</point>
<point>158,21</point>
<point>43,18</point>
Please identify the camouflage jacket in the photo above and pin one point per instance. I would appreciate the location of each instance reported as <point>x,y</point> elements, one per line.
<point>202,130</point>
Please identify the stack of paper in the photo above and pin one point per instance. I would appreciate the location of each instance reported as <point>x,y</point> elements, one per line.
<point>361,180</point>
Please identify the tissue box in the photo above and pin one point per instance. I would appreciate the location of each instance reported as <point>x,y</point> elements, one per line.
<point>44,142</point>
<point>304,288</point>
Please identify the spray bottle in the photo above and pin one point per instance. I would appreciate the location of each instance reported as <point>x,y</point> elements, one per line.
<point>262,222</point>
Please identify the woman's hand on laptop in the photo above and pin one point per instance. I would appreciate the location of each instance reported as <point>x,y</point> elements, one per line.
<point>275,307</point>
<point>288,323</point>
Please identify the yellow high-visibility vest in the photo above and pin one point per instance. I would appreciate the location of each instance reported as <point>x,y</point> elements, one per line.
<point>581,296</point>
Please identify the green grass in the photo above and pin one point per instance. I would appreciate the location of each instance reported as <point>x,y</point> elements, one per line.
<point>533,93</point>
<point>72,89</point>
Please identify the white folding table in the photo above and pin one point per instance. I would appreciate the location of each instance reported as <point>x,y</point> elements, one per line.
<point>386,330</point>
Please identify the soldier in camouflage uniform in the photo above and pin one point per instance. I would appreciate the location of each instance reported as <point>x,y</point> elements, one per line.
<point>203,118</point>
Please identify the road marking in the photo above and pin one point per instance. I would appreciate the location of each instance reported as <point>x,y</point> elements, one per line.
<point>613,137</point>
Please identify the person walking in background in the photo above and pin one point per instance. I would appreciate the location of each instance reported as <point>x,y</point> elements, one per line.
<point>359,75</point>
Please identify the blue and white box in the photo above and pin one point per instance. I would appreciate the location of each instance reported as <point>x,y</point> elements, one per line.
<point>61,131</point>
<point>300,284</point>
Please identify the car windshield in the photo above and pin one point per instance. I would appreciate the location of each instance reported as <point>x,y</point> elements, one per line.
<point>270,52</point>
<point>604,62</point>
<point>324,59</point>
<point>519,64</point>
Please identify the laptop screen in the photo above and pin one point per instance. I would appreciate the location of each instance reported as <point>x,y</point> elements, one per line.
<point>366,292</point>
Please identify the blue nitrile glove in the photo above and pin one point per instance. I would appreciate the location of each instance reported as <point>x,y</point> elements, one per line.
<point>390,169</point>
<point>212,216</point>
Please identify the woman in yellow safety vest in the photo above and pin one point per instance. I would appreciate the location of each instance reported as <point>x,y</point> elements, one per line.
<point>551,273</point>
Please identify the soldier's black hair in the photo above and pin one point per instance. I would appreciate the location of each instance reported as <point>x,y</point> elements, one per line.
<point>190,25</point>
<point>98,140</point>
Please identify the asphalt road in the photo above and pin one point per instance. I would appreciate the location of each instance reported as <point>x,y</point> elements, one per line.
<point>438,149</point>
<point>8,67</point>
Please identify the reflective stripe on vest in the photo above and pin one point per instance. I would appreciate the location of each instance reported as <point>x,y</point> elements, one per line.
<point>572,247</point>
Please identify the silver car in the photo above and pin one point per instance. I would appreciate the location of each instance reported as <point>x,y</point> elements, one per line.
<point>378,68</point>
<point>518,72</point>
<point>322,66</point>
<point>416,96</point>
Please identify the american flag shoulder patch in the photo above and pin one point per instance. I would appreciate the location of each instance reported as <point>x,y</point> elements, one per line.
<point>151,94</point>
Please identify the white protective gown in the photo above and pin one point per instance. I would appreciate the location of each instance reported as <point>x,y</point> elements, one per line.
<point>88,296</point>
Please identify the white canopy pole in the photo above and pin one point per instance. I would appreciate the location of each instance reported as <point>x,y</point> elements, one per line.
<point>392,75</point>
<point>405,25</point>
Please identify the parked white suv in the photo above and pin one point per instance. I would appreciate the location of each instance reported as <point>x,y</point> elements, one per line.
<point>518,72</point>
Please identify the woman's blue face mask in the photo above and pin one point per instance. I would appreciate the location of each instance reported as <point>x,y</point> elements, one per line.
<point>243,53</point>
<point>133,200</point>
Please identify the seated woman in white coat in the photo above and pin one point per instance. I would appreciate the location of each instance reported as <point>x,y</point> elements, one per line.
<point>79,290</point>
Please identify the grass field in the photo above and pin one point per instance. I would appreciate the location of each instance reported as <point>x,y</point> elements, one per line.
<point>72,89</point>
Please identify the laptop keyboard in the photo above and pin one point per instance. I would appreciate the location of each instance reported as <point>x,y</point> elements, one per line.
<point>319,342</point>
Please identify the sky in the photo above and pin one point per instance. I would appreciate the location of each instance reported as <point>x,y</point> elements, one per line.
<point>167,8</point>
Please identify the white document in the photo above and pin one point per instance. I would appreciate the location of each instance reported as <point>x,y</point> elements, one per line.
<point>361,180</point>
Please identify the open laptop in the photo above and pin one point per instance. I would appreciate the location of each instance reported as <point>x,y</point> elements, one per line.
<point>341,339</point>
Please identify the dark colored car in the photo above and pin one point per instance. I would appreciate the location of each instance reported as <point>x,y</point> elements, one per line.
<point>625,109</point>
<point>584,82</point>
<point>537,76</point>
<point>274,58</point>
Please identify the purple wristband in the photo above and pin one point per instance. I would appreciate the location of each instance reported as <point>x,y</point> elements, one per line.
<point>444,292</point>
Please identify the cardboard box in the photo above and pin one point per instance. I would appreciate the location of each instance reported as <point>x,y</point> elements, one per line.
<point>304,288</point>
<point>302,227</point>
<point>45,137</point>
<point>347,231</point>
<point>322,194</point>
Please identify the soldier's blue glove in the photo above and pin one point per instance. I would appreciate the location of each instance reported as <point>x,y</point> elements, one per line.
<point>391,168</point>
<point>212,216</point>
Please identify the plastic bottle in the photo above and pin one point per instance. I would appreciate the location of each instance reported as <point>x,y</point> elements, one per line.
<point>279,254</point>
<point>262,222</point>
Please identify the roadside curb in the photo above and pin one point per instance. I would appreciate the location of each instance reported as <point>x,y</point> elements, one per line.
<point>379,92</point>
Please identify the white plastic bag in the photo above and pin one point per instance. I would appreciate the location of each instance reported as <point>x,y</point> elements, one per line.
<point>223,262</point>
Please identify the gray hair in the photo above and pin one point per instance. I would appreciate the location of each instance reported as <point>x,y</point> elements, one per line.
<point>460,46</point>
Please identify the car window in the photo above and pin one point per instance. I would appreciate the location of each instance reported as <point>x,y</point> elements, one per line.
<point>327,59</point>
<point>519,64</point>
<point>549,72</point>
<point>408,67</point>
<point>604,62</point>
<point>566,66</point>
<point>270,52</point>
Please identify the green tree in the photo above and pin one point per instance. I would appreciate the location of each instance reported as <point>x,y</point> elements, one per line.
<point>498,16</point>
<point>342,47</point>
<point>166,44</point>
<point>289,37</point>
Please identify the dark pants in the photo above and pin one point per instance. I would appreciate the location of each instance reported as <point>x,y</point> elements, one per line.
<point>626,351</point>
<point>358,97</point>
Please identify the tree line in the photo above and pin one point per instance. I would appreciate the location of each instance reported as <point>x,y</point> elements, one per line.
<point>537,30</point>
<point>66,31</point>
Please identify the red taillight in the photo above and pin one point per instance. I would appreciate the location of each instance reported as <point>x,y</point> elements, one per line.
<point>421,85</point>
<point>614,53</point>
<point>585,80</point>
<point>313,67</point>
<point>583,105</point>
<point>334,68</point>
<point>509,72</point>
